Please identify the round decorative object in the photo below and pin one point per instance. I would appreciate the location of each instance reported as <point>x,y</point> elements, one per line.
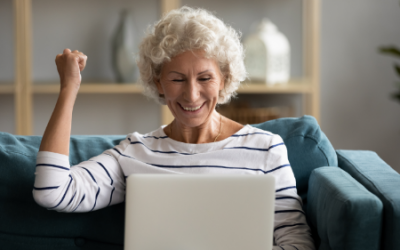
<point>267,57</point>
<point>123,49</point>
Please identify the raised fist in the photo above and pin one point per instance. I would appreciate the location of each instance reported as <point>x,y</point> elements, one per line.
<point>69,66</point>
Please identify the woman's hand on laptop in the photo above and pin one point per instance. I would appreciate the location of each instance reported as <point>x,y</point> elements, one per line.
<point>69,66</point>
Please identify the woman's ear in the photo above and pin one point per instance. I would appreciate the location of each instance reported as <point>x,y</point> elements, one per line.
<point>158,84</point>
<point>222,83</point>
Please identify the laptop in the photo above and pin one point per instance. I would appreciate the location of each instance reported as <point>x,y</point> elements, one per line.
<point>199,212</point>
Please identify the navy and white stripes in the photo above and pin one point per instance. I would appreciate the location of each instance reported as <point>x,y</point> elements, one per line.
<point>100,181</point>
<point>52,165</point>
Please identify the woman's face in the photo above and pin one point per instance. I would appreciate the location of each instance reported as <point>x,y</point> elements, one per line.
<point>191,83</point>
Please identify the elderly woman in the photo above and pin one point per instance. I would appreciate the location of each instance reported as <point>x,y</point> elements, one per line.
<point>190,61</point>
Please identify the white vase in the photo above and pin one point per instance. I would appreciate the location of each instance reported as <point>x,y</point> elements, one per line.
<point>123,49</point>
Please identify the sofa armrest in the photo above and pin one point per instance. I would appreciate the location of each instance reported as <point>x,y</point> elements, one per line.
<point>345,214</point>
<point>380,179</point>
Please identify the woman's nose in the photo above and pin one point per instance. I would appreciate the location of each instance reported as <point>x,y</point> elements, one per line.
<point>192,90</point>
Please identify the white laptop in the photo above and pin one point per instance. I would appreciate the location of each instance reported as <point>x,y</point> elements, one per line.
<point>199,212</point>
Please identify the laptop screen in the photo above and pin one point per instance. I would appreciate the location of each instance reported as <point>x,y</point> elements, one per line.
<point>199,212</point>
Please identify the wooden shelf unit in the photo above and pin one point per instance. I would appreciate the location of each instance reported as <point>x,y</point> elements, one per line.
<point>294,87</point>
<point>6,88</point>
<point>23,88</point>
<point>89,88</point>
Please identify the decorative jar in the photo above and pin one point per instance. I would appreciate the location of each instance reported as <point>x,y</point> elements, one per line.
<point>267,55</point>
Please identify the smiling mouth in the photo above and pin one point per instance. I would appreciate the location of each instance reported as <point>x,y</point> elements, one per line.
<point>191,109</point>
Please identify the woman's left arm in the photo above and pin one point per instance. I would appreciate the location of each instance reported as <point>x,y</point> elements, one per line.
<point>290,227</point>
<point>89,185</point>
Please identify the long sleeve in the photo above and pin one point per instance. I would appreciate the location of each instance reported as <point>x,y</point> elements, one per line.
<point>90,185</point>
<point>290,227</point>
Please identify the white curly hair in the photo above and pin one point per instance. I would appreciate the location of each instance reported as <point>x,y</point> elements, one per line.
<point>188,29</point>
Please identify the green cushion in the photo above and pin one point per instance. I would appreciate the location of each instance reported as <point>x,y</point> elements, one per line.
<point>380,179</point>
<point>26,225</point>
<point>308,147</point>
<point>345,213</point>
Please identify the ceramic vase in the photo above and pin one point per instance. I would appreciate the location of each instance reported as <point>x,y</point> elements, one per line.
<point>123,49</point>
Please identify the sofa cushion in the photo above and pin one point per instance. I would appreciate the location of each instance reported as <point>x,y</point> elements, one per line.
<point>345,214</point>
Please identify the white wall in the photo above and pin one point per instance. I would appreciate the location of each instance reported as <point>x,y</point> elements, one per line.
<point>7,122</point>
<point>7,118</point>
<point>356,81</point>
<point>6,41</point>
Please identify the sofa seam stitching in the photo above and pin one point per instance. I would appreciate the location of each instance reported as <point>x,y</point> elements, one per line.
<point>316,142</point>
<point>15,152</point>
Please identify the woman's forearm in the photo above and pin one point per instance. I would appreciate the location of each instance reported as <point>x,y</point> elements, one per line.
<point>58,131</point>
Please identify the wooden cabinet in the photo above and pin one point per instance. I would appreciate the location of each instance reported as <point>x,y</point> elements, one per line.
<point>23,89</point>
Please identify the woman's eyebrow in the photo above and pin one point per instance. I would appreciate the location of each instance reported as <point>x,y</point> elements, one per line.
<point>207,70</point>
<point>175,73</point>
<point>202,72</point>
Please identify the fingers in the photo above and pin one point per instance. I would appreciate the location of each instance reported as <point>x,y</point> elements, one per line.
<point>58,56</point>
<point>68,51</point>
<point>82,61</point>
<point>74,55</point>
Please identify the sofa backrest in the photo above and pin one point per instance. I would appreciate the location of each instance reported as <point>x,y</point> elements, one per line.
<point>308,147</point>
<point>26,225</point>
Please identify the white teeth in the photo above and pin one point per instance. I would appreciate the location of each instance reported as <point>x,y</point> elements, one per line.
<point>191,109</point>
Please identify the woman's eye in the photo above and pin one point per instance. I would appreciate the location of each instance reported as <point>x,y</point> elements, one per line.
<point>204,79</point>
<point>177,80</point>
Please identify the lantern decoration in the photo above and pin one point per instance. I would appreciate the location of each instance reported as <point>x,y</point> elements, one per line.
<point>267,55</point>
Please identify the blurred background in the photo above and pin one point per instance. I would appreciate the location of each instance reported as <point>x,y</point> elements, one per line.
<point>355,83</point>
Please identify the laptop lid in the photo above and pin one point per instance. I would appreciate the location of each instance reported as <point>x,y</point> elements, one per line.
<point>199,212</point>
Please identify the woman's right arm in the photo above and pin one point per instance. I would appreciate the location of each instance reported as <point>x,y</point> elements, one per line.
<point>90,185</point>
<point>58,131</point>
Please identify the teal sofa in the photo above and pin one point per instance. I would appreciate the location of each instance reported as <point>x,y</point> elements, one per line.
<point>349,196</point>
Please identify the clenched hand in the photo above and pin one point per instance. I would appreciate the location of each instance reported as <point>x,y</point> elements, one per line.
<point>69,66</point>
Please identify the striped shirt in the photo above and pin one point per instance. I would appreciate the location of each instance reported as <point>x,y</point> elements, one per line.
<point>100,181</point>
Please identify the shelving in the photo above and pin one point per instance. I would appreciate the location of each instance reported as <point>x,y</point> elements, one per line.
<point>6,88</point>
<point>90,88</point>
<point>25,87</point>
<point>293,87</point>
